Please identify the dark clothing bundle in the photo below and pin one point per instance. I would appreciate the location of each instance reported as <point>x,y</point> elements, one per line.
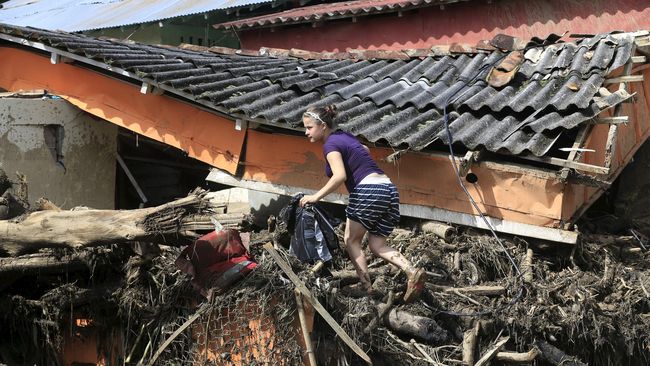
<point>313,236</point>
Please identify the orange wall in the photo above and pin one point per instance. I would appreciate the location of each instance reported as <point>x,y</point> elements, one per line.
<point>422,179</point>
<point>462,22</point>
<point>203,135</point>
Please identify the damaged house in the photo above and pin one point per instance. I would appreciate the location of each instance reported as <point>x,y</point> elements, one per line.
<point>518,135</point>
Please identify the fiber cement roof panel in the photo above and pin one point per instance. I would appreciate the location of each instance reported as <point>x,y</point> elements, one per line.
<point>556,89</point>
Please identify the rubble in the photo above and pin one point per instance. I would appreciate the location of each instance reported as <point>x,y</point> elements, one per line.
<point>552,304</point>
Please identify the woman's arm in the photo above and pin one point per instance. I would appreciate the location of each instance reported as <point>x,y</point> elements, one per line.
<point>335,159</point>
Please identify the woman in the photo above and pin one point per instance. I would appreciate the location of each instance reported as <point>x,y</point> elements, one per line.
<point>374,201</point>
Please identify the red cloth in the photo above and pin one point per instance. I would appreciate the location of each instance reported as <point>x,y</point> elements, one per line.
<point>217,259</point>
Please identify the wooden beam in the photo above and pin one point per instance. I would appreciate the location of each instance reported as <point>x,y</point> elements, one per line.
<point>286,268</point>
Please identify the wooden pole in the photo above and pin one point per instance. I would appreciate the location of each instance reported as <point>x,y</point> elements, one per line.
<point>303,325</point>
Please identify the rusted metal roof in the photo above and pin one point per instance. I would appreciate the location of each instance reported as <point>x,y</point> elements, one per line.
<point>75,15</point>
<point>544,93</point>
<point>330,11</point>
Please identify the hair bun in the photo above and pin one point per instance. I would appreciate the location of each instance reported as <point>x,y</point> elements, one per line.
<point>330,111</point>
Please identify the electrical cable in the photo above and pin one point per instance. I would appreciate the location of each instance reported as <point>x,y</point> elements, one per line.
<point>447,101</point>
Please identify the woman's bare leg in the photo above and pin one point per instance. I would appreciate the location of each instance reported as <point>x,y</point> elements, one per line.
<point>354,233</point>
<point>379,247</point>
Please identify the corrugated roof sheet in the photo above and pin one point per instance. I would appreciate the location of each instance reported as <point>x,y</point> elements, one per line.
<point>402,102</point>
<point>337,10</point>
<point>81,15</point>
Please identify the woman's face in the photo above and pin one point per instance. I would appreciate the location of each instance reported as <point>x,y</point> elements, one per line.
<point>315,131</point>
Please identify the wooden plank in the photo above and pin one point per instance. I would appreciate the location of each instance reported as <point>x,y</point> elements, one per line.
<point>610,120</point>
<point>610,145</point>
<point>134,183</point>
<point>578,143</point>
<point>612,134</point>
<point>569,164</point>
<point>638,59</point>
<point>580,139</point>
<point>317,305</point>
<point>624,79</point>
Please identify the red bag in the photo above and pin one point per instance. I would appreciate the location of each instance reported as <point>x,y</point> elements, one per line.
<point>216,261</point>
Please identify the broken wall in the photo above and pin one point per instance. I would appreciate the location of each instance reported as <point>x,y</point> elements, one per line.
<point>66,155</point>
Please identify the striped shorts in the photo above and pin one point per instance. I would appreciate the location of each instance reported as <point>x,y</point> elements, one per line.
<point>375,206</point>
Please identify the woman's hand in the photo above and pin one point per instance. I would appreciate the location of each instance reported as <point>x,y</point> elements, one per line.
<point>312,198</point>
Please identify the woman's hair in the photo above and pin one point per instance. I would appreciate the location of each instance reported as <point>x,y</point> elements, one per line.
<point>324,115</point>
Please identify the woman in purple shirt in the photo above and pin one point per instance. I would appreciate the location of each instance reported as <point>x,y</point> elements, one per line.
<point>374,201</point>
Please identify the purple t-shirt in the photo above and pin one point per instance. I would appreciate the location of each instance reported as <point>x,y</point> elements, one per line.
<point>356,159</point>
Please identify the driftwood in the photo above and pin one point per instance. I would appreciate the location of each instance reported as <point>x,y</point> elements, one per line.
<point>173,223</point>
<point>419,327</point>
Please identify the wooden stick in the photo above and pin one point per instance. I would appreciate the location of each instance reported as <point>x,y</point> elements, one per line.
<point>178,331</point>
<point>457,261</point>
<point>319,308</point>
<point>303,325</point>
<point>469,344</point>
<point>492,352</point>
<point>317,267</point>
<point>422,351</point>
<point>528,267</point>
<point>529,356</point>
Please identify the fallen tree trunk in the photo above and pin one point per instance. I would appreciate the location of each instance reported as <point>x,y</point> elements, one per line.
<point>171,224</point>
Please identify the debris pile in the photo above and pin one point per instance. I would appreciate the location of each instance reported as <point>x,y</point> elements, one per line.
<point>485,300</point>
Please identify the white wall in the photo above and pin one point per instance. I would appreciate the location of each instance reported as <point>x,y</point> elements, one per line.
<point>83,173</point>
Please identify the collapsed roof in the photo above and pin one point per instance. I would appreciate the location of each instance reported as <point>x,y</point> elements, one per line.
<point>535,105</point>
